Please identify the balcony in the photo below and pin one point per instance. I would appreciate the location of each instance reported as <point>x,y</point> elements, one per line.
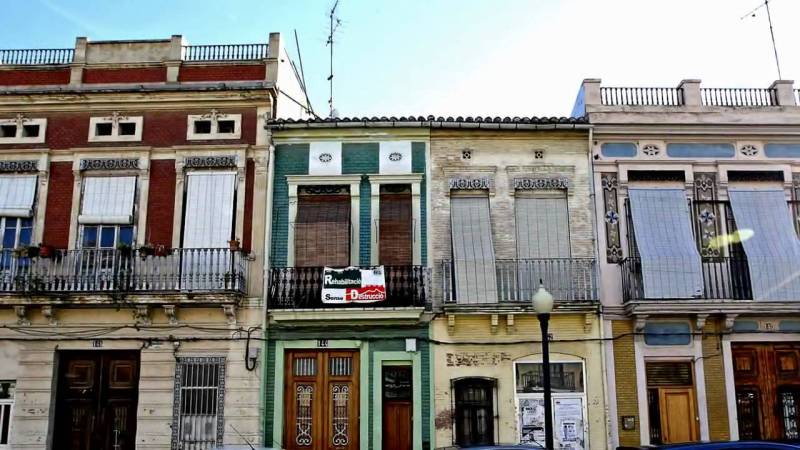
<point>568,279</point>
<point>301,288</point>
<point>724,278</point>
<point>196,270</point>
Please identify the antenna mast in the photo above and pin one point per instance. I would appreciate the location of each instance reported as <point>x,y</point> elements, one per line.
<point>752,13</point>
<point>334,25</point>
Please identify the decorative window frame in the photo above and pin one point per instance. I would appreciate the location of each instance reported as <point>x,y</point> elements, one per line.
<point>214,116</point>
<point>9,419</point>
<point>177,404</point>
<point>115,119</point>
<point>354,181</point>
<point>19,121</point>
<point>415,181</point>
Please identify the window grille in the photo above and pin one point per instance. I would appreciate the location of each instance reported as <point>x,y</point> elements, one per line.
<point>199,399</point>
<point>7,390</point>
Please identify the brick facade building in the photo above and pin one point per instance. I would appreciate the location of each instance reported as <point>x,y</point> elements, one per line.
<point>132,264</point>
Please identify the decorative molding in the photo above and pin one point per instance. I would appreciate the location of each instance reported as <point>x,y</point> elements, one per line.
<point>533,183</point>
<point>230,313</point>
<point>639,323</point>
<point>469,183</point>
<point>324,190</point>
<point>749,150</point>
<point>49,314</point>
<point>110,164</point>
<point>494,323</point>
<point>610,186</point>
<point>451,323</point>
<point>206,162</point>
<point>651,150</point>
<point>19,166</point>
<point>730,319</point>
<point>587,322</point>
<point>171,312</point>
<point>511,327</point>
<point>142,315</point>
<point>22,317</point>
<point>706,213</point>
<point>700,322</point>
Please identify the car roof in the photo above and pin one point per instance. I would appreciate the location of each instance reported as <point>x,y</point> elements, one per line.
<point>744,445</point>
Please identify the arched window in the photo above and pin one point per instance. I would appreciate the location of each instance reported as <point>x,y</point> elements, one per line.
<point>474,411</point>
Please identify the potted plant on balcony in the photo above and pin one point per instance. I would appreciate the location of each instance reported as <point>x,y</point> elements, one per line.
<point>124,250</point>
<point>234,244</point>
<point>162,250</point>
<point>146,250</point>
<point>45,251</point>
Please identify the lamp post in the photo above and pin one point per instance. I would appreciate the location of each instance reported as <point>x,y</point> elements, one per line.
<point>543,305</point>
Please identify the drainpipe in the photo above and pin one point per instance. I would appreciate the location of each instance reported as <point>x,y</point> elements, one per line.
<point>266,286</point>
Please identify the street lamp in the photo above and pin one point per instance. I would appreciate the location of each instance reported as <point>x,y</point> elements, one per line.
<point>543,305</point>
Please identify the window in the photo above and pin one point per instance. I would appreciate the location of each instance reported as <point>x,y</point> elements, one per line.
<point>199,401</point>
<point>473,251</point>
<point>564,377</point>
<point>7,391</point>
<point>22,130</point>
<point>16,232</point>
<point>322,227</point>
<point>474,411</point>
<point>214,125</point>
<point>396,225</point>
<point>106,236</point>
<point>116,128</point>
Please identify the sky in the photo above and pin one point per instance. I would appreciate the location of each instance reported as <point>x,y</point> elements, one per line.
<point>454,57</point>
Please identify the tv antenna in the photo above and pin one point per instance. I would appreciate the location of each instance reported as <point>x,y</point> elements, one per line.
<point>334,25</point>
<point>752,13</point>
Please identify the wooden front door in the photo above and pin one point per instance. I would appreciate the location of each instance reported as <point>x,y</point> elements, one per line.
<point>767,379</point>
<point>677,415</point>
<point>96,400</point>
<point>398,406</point>
<point>321,400</point>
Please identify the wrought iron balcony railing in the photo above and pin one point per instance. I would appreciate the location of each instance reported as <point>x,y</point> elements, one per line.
<point>568,279</point>
<point>301,288</point>
<point>724,278</point>
<point>120,270</point>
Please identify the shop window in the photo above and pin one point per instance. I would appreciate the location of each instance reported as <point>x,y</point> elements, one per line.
<point>474,411</point>
<point>564,377</point>
<point>569,401</point>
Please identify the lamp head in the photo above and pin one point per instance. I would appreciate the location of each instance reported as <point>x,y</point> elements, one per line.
<point>542,300</point>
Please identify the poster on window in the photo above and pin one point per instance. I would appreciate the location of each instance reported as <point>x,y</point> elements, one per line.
<point>531,421</point>
<point>353,285</point>
<point>568,424</point>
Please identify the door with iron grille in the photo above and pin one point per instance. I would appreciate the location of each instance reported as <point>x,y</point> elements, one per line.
<point>321,407</point>
<point>767,379</point>
<point>96,400</point>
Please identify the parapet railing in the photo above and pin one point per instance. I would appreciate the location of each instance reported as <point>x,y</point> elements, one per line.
<point>641,96</point>
<point>224,52</point>
<point>738,96</point>
<point>36,56</point>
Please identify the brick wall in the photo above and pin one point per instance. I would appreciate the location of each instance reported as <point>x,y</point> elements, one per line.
<point>59,205</point>
<point>716,398</point>
<point>33,77</point>
<point>161,202</point>
<point>126,75</point>
<point>247,226</point>
<point>222,72</point>
<point>625,373</point>
<point>160,129</point>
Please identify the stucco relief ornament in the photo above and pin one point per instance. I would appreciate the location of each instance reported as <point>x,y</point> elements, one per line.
<point>651,150</point>
<point>469,183</point>
<point>707,217</point>
<point>749,150</point>
<point>609,182</point>
<point>395,156</point>
<point>541,183</point>
<point>612,217</point>
<point>325,158</point>
<point>19,166</point>
<point>704,182</point>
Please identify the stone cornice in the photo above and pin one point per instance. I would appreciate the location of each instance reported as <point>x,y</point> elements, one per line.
<point>664,307</point>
